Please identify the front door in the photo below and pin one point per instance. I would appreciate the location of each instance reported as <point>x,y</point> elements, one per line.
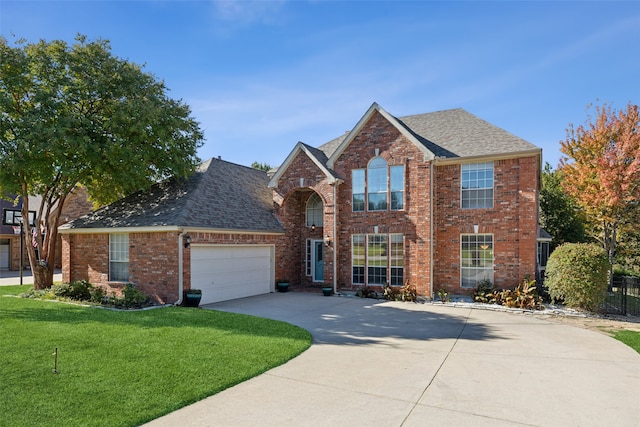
<point>318,261</point>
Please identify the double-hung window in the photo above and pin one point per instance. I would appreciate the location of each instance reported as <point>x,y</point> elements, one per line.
<point>119,257</point>
<point>357,189</point>
<point>477,185</point>
<point>377,259</point>
<point>379,187</point>
<point>477,259</point>
<point>397,187</point>
<point>377,184</point>
<point>357,258</point>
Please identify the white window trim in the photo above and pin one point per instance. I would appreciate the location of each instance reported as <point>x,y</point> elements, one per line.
<point>388,258</point>
<point>306,211</point>
<point>121,261</point>
<point>493,180</point>
<point>493,257</point>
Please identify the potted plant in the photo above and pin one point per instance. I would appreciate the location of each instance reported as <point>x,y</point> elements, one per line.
<point>327,290</point>
<point>191,297</point>
<point>282,285</point>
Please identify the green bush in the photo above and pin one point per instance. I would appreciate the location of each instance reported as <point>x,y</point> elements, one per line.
<point>79,290</point>
<point>133,297</point>
<point>577,274</point>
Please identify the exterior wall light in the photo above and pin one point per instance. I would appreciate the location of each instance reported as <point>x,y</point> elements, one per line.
<point>327,240</point>
<point>187,240</point>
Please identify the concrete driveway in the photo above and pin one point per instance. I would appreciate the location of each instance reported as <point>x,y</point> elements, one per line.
<point>375,363</point>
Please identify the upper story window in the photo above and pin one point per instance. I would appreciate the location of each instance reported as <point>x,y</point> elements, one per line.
<point>477,185</point>
<point>315,211</point>
<point>357,188</point>
<point>397,187</point>
<point>119,257</point>
<point>375,186</point>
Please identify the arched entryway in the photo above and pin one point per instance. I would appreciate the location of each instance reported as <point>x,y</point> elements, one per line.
<point>305,260</point>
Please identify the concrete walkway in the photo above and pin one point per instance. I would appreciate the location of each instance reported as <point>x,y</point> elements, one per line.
<point>375,363</point>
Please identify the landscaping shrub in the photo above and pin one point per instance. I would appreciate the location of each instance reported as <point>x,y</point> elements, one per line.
<point>82,290</point>
<point>404,293</point>
<point>577,274</point>
<point>524,296</point>
<point>366,292</point>
<point>486,293</point>
<point>133,297</point>
<point>79,290</point>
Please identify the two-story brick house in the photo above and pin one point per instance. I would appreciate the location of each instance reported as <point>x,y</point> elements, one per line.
<point>441,200</point>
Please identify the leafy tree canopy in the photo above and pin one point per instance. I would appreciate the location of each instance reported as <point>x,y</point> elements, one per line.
<point>559,214</point>
<point>261,166</point>
<point>601,170</point>
<point>75,115</point>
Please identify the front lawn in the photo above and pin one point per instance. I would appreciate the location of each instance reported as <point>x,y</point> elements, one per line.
<point>630,338</point>
<point>126,367</point>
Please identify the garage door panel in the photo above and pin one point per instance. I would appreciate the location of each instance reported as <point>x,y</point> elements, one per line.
<point>230,272</point>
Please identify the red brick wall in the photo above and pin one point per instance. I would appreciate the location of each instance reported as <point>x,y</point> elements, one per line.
<point>290,206</point>
<point>153,259</point>
<point>513,222</point>
<point>412,222</point>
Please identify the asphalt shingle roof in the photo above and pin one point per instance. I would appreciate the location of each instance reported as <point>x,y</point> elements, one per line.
<point>454,133</point>
<point>218,195</point>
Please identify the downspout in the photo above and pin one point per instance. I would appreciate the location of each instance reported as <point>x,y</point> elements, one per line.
<point>431,246</point>
<point>180,267</point>
<point>335,238</point>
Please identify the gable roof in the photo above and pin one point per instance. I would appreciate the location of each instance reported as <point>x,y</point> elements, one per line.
<point>219,195</point>
<point>316,155</point>
<point>391,119</point>
<point>447,134</point>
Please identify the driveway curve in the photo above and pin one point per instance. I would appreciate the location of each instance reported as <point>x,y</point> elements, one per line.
<point>378,363</point>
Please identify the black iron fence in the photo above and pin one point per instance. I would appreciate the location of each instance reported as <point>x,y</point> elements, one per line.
<point>623,297</point>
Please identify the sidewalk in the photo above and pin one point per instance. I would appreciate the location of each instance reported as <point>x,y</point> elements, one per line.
<point>12,277</point>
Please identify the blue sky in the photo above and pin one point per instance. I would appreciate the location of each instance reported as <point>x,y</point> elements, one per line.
<point>260,76</point>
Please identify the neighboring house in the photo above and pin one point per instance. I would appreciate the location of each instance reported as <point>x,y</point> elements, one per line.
<point>76,205</point>
<point>214,231</point>
<point>439,200</point>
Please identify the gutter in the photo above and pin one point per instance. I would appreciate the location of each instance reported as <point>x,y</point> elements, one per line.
<point>335,238</point>
<point>180,266</point>
<point>431,246</point>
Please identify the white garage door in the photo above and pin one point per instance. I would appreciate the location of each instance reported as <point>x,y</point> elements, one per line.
<point>228,272</point>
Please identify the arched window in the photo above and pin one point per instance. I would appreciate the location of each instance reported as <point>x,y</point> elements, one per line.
<point>315,211</point>
<point>377,180</point>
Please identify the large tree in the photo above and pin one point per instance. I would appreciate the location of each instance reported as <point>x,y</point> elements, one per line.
<point>76,115</point>
<point>601,170</point>
<point>559,214</point>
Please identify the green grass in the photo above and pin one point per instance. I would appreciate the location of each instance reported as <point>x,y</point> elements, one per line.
<point>124,368</point>
<point>630,338</point>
